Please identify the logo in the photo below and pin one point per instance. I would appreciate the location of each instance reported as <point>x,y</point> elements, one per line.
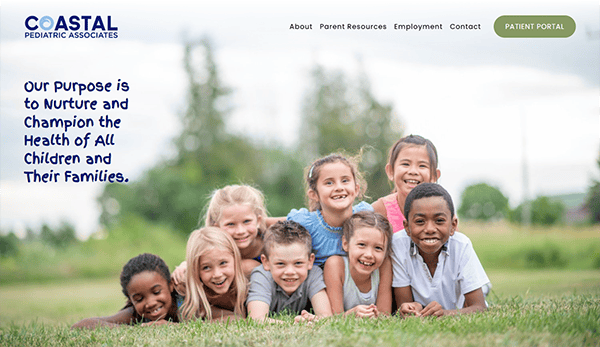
<point>71,27</point>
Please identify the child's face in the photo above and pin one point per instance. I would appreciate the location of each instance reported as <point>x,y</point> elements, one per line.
<point>289,265</point>
<point>217,270</point>
<point>366,250</point>
<point>412,167</point>
<point>336,187</point>
<point>150,294</point>
<point>430,224</point>
<point>241,223</point>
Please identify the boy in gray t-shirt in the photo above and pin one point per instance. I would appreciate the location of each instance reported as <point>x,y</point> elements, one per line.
<point>287,280</point>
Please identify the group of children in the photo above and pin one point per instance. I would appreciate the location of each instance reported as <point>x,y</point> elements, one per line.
<point>402,254</point>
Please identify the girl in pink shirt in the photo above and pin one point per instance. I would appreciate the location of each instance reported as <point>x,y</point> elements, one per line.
<point>412,160</point>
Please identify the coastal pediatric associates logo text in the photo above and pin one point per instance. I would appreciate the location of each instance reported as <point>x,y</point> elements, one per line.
<point>70,27</point>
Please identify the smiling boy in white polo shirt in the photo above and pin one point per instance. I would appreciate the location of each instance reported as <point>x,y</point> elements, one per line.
<point>436,270</point>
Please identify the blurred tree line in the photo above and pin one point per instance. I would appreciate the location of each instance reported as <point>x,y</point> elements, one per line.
<point>59,238</point>
<point>484,202</point>
<point>338,114</point>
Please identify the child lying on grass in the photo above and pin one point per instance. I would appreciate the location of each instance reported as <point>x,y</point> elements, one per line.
<point>151,300</point>
<point>436,270</point>
<point>287,279</point>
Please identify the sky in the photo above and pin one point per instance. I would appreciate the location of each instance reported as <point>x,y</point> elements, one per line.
<point>486,102</point>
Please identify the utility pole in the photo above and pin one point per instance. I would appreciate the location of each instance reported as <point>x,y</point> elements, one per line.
<point>526,211</point>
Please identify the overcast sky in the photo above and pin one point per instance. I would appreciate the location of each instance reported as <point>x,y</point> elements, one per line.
<point>472,93</point>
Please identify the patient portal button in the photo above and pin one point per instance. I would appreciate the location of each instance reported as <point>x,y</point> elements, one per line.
<point>534,26</point>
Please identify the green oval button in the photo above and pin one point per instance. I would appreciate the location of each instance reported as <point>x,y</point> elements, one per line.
<point>534,26</point>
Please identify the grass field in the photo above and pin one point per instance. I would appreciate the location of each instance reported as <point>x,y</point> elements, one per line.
<point>546,292</point>
<point>527,308</point>
<point>67,302</point>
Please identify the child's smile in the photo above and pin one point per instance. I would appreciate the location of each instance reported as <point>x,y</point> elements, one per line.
<point>289,265</point>
<point>366,250</point>
<point>430,225</point>
<point>241,223</point>
<point>412,167</point>
<point>336,187</point>
<point>150,294</point>
<point>217,270</point>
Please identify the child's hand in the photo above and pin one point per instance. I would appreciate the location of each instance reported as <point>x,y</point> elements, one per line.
<point>178,278</point>
<point>305,316</point>
<point>433,309</point>
<point>369,311</point>
<point>178,275</point>
<point>411,308</point>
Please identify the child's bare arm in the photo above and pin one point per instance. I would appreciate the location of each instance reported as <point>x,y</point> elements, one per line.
<point>321,305</point>
<point>384,293</point>
<point>474,302</point>
<point>248,265</point>
<point>258,310</point>
<point>403,294</point>
<point>333,275</point>
<point>125,316</point>
<point>379,207</point>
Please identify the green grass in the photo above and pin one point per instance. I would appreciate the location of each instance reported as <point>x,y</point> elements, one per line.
<point>508,283</point>
<point>59,303</point>
<point>572,320</point>
<point>527,308</point>
<point>546,292</point>
<point>501,245</point>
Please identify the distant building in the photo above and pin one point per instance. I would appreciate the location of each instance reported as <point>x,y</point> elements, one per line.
<point>575,210</point>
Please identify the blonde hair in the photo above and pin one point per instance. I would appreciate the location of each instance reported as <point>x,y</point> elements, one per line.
<point>236,195</point>
<point>312,175</point>
<point>196,304</point>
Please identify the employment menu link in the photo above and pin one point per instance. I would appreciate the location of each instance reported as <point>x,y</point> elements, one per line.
<point>382,27</point>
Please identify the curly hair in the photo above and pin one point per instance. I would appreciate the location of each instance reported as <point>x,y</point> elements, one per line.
<point>152,263</point>
<point>141,263</point>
